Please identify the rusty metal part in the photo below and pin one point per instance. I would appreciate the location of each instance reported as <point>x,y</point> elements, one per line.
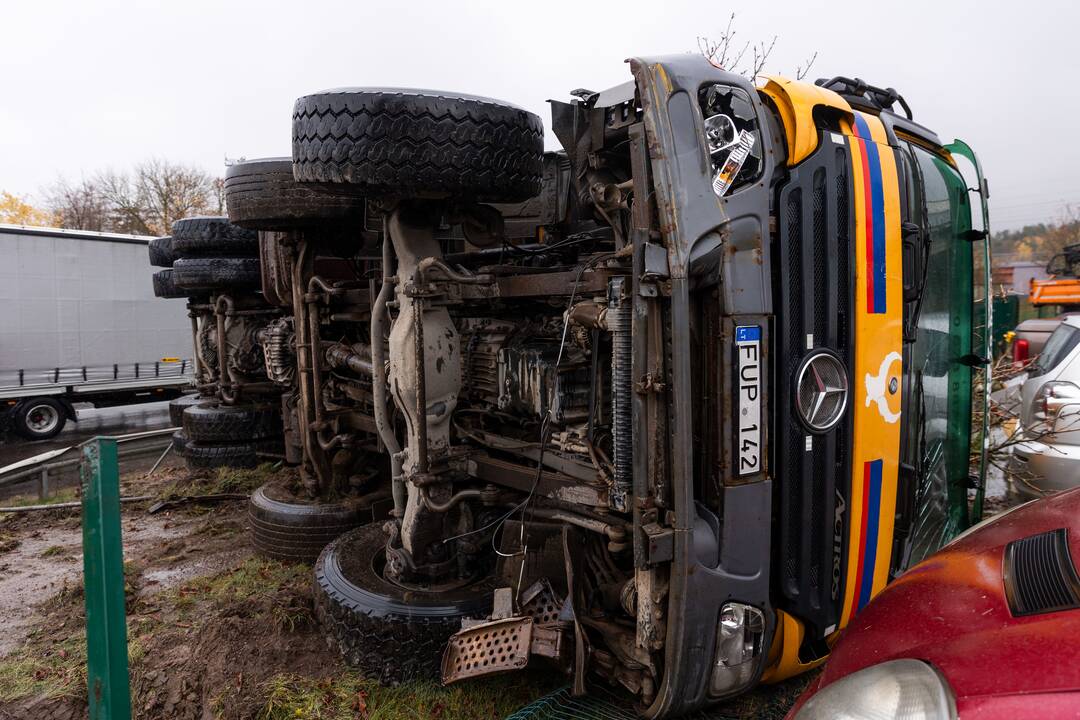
<point>278,342</point>
<point>488,494</point>
<point>355,359</point>
<point>619,320</point>
<point>506,643</point>
<point>313,454</point>
<point>226,381</point>
<point>378,376</point>
<point>540,602</point>
<point>488,649</point>
<point>522,477</point>
<point>421,448</point>
<point>425,370</point>
<point>424,268</point>
<point>615,534</point>
<point>276,256</point>
<point>540,284</point>
<point>589,314</point>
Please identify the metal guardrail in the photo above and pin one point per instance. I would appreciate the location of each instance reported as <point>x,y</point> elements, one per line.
<point>53,463</point>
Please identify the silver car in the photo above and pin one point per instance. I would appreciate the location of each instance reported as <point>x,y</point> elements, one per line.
<point>1049,458</point>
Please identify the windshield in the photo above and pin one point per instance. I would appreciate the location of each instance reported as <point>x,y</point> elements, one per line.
<point>939,426</point>
<point>1058,346</point>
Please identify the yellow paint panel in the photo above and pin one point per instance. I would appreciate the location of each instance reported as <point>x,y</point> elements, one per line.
<point>795,101</point>
<point>877,371</point>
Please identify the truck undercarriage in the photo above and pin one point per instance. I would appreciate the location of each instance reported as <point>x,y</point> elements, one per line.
<point>595,400</point>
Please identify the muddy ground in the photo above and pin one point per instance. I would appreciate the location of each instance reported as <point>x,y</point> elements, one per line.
<point>213,631</point>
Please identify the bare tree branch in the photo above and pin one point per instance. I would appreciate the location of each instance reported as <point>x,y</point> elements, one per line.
<point>79,206</point>
<point>726,54</point>
<point>803,70</point>
<point>146,201</point>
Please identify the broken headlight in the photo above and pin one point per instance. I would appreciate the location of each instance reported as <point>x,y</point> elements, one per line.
<point>731,135</point>
<point>739,642</point>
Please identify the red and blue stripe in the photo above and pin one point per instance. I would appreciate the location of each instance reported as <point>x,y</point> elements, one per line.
<point>874,227</point>
<point>871,510</point>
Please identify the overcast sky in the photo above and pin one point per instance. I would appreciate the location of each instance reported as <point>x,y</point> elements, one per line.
<point>102,83</point>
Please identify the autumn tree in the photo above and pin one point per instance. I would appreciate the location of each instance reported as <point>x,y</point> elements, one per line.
<point>145,201</point>
<point>17,211</point>
<point>78,206</point>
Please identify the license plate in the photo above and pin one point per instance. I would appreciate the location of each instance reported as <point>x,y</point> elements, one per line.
<point>748,385</point>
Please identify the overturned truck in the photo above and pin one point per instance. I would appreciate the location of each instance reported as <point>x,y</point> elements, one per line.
<point>668,407</point>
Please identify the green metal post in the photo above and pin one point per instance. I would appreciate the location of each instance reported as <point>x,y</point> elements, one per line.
<point>103,578</point>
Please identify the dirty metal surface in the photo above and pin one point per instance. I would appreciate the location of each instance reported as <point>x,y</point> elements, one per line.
<point>541,603</point>
<point>488,649</point>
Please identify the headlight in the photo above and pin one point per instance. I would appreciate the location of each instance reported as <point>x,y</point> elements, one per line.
<point>894,690</point>
<point>738,647</point>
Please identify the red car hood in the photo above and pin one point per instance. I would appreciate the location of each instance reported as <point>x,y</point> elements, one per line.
<point>951,611</point>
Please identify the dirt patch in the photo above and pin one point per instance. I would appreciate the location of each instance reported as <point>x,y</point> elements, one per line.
<point>213,630</point>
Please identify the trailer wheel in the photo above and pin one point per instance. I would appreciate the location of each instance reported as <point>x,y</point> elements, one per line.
<point>418,143</point>
<point>216,273</point>
<point>287,528</point>
<point>40,418</point>
<point>212,423</point>
<point>161,252</point>
<point>262,195</point>
<point>165,285</point>
<point>212,237</point>
<point>391,634</point>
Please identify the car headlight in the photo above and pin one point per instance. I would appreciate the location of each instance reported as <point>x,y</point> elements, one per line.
<point>739,642</point>
<point>894,690</point>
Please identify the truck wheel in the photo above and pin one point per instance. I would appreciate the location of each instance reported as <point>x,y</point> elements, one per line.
<point>182,403</point>
<point>161,252</point>
<point>179,442</point>
<point>165,285</point>
<point>418,143</point>
<point>207,457</point>
<point>216,273</point>
<point>262,195</point>
<point>40,418</point>
<point>212,237</point>
<point>212,423</point>
<point>286,528</point>
<point>391,634</point>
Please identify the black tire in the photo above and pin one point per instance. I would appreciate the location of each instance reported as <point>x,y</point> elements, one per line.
<point>207,457</point>
<point>182,403</point>
<point>418,143</point>
<point>165,285</point>
<point>40,418</point>
<point>284,528</point>
<point>391,634</point>
<point>179,442</point>
<point>199,237</point>
<point>262,195</point>
<point>212,423</point>
<point>161,252</point>
<point>216,273</point>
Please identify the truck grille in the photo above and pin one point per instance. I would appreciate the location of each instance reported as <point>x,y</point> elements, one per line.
<point>813,306</point>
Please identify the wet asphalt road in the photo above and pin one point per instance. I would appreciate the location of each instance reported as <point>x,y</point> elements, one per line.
<point>106,421</point>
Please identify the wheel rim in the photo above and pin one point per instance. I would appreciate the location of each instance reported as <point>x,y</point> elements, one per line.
<point>42,419</point>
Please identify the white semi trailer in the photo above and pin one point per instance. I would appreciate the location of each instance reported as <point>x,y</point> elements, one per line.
<point>79,323</point>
